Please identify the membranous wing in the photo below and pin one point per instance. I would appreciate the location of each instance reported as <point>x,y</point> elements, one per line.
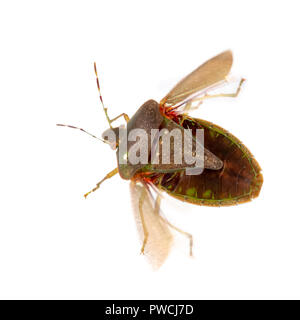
<point>210,73</point>
<point>154,233</point>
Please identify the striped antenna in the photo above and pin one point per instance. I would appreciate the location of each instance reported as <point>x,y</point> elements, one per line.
<point>72,127</point>
<point>100,95</point>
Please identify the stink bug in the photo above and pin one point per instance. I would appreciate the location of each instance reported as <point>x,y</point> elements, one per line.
<point>230,175</point>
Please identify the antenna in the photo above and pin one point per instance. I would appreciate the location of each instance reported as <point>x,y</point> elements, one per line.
<point>72,127</point>
<point>100,95</point>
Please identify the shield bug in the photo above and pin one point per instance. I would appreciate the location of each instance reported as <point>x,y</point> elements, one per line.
<point>229,173</point>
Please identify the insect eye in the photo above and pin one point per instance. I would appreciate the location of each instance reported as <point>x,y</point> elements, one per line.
<point>111,136</point>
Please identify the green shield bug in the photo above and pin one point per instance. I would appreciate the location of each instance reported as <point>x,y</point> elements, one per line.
<point>229,173</point>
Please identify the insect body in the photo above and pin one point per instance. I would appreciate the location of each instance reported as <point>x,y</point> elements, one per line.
<point>230,175</point>
<point>239,180</point>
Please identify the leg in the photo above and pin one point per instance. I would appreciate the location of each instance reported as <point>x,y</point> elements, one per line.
<point>188,107</point>
<point>146,234</point>
<point>157,206</point>
<point>230,95</point>
<point>119,116</point>
<point>109,175</point>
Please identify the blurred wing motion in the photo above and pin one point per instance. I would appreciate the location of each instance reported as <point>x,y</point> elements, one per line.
<point>160,238</point>
<point>208,74</point>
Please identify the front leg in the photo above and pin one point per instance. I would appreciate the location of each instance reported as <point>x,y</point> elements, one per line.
<point>119,116</point>
<point>108,176</point>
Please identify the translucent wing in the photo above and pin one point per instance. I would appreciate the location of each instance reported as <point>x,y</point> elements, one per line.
<point>147,216</point>
<point>208,74</point>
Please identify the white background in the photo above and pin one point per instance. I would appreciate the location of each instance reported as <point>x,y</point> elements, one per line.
<point>55,244</point>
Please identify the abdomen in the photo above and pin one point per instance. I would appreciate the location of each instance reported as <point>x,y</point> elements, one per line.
<point>239,180</point>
